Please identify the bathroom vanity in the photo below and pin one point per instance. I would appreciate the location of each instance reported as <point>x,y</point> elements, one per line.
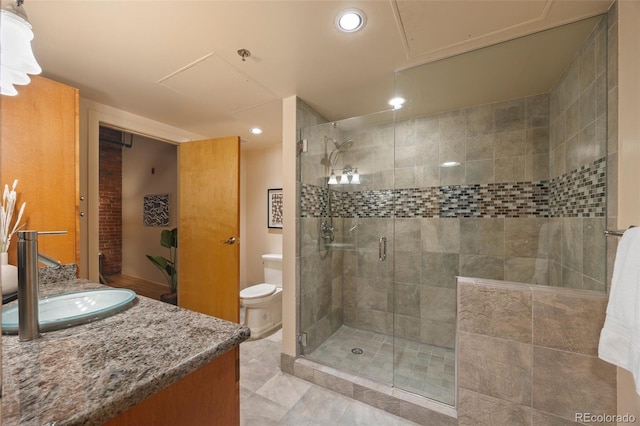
<point>153,363</point>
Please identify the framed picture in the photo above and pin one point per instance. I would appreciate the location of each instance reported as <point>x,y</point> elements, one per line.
<point>274,208</point>
<point>156,210</point>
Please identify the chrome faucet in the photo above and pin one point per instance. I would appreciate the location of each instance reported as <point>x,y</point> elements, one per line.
<point>28,257</point>
<point>327,231</point>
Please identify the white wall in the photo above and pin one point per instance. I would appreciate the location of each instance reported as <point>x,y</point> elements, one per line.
<point>148,168</point>
<point>289,227</point>
<point>261,169</point>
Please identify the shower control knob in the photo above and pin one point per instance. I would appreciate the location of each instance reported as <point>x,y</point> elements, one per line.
<point>231,240</point>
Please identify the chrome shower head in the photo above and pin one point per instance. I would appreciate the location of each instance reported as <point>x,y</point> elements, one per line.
<point>339,145</point>
<point>344,145</point>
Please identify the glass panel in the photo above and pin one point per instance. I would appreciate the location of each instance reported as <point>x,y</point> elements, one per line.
<point>346,296</point>
<point>494,168</point>
<point>500,168</point>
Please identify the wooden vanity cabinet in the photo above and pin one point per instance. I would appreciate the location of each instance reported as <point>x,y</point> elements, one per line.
<point>209,396</point>
<point>39,147</point>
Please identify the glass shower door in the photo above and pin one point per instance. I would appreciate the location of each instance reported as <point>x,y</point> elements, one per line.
<point>346,245</point>
<point>375,300</point>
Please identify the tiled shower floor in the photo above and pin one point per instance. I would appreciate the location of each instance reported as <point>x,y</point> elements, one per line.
<point>420,368</point>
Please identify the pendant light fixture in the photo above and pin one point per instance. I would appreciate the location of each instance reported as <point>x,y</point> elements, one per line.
<point>344,178</point>
<point>332,179</point>
<point>16,56</point>
<point>355,177</point>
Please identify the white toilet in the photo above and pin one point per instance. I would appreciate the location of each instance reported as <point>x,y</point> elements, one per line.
<point>263,302</point>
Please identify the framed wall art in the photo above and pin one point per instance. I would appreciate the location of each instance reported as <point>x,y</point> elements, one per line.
<point>156,210</point>
<point>274,208</point>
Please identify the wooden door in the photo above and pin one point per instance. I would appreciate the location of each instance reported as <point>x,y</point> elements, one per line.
<point>39,147</point>
<point>209,214</point>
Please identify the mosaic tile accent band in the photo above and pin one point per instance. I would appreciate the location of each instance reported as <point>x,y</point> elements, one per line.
<point>579,193</point>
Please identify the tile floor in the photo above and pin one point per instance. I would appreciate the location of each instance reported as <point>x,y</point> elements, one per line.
<point>420,368</point>
<point>270,397</point>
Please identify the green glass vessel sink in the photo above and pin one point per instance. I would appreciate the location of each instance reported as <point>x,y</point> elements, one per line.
<point>70,309</point>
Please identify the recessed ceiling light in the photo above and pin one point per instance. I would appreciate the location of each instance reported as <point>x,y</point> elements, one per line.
<point>450,164</point>
<point>351,20</point>
<point>396,103</point>
<point>256,130</point>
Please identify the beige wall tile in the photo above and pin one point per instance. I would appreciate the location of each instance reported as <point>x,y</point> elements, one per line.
<point>407,327</point>
<point>594,248</point>
<point>510,169</point>
<point>510,115</point>
<point>480,266</point>
<point>537,166</point>
<point>566,383</point>
<point>439,269</point>
<point>495,367</point>
<point>407,299</point>
<point>510,143</point>
<point>481,171</point>
<point>526,237</point>
<point>480,120</point>
<point>452,125</point>
<point>538,140</point>
<point>408,266</point>
<point>482,236</point>
<point>572,240</point>
<point>438,333</point>
<point>494,311</point>
<point>479,148</point>
<point>568,322</point>
<point>537,111</point>
<point>526,270</point>
<point>452,175</point>
<point>475,409</point>
<point>438,303</point>
<point>441,235</point>
<point>407,235</point>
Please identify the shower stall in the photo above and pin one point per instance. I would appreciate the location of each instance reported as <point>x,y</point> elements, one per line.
<point>393,206</point>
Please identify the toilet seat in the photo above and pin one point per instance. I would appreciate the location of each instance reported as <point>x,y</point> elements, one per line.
<point>257,291</point>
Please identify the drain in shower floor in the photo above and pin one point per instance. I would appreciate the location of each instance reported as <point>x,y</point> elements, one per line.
<point>357,351</point>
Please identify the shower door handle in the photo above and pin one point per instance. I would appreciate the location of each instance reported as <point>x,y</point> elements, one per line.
<point>382,248</point>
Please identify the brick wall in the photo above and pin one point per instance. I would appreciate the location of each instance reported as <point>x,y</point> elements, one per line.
<point>110,228</point>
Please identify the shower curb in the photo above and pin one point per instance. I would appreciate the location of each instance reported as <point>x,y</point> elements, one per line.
<point>401,403</point>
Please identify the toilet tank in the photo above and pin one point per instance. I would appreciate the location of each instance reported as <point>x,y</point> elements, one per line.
<point>272,269</point>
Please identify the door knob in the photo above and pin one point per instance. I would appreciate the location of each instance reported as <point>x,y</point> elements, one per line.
<point>231,240</point>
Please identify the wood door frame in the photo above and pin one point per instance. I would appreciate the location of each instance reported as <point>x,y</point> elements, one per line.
<point>93,115</point>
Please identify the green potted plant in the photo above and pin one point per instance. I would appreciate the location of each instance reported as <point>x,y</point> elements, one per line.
<point>168,239</point>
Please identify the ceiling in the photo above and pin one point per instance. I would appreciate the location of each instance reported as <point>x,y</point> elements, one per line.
<point>176,61</point>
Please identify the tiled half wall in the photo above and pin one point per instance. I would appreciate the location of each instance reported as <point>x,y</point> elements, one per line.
<point>527,355</point>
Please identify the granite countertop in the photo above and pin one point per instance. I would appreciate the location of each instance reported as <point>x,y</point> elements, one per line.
<point>87,374</point>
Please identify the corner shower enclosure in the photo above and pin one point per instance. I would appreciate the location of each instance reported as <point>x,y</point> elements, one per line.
<point>360,284</point>
<point>509,189</point>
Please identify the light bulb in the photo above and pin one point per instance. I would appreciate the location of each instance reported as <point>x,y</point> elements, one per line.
<point>355,178</point>
<point>332,179</point>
